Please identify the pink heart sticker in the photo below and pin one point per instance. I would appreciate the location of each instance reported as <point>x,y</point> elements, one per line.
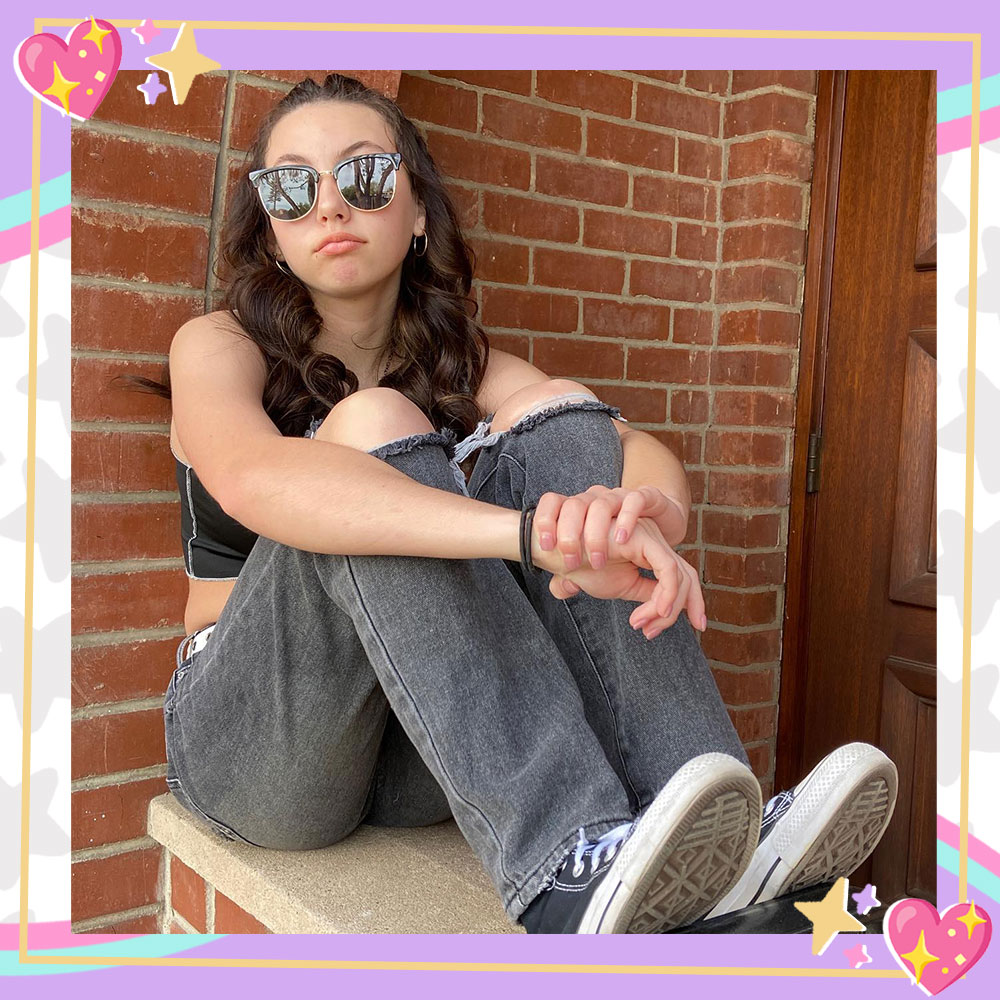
<point>74,75</point>
<point>934,950</point>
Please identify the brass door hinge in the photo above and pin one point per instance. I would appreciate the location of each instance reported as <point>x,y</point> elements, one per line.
<point>812,466</point>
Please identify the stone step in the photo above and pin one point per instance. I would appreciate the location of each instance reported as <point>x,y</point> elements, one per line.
<point>379,880</point>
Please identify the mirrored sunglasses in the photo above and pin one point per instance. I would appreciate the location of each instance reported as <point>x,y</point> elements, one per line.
<point>366,182</point>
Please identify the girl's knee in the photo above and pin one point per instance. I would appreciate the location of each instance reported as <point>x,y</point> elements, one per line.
<point>370,417</point>
<point>537,396</point>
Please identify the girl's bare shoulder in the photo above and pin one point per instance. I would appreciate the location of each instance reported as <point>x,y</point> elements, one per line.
<point>214,335</point>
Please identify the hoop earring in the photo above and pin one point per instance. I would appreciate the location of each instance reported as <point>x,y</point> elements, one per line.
<point>424,251</point>
<point>284,270</point>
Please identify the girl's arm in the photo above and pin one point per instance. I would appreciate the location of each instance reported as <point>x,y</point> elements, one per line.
<point>308,493</point>
<point>647,462</point>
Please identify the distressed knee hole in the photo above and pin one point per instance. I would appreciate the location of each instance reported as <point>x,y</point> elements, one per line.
<point>484,435</point>
<point>373,417</point>
<point>534,398</point>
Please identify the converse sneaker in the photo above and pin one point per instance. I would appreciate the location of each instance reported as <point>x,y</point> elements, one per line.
<point>665,868</point>
<point>821,829</point>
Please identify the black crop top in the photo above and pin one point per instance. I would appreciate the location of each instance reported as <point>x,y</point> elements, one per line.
<point>215,545</point>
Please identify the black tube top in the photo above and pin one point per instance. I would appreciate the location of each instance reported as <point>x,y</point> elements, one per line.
<point>215,544</point>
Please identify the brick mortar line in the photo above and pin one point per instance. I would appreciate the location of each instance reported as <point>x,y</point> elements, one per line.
<point>594,338</point>
<point>753,705</point>
<point>643,300</point>
<point>772,221</point>
<point>716,321</point>
<point>738,550</point>
<point>262,83</point>
<point>152,496</point>
<point>138,287</point>
<point>89,640</point>
<point>665,258</point>
<point>98,781</point>
<point>764,220</point>
<point>633,168</point>
<point>744,630</point>
<point>140,134</point>
<point>123,426</point>
<point>105,355</point>
<point>603,297</point>
<point>771,87</point>
<point>649,425</point>
<point>463,183</point>
<point>634,77</point>
<point>747,668</point>
<point>696,428</point>
<point>570,156</point>
<point>111,850</point>
<point>94,567</point>
<point>110,708</point>
<point>570,108</point>
<point>175,915</point>
<point>721,264</point>
<point>779,179</point>
<point>165,888</point>
<point>92,924</point>
<point>209,907</point>
<point>219,190</point>
<point>535,100</point>
<point>141,212</point>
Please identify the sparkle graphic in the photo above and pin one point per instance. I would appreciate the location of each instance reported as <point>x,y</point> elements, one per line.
<point>919,958</point>
<point>97,36</point>
<point>829,916</point>
<point>970,919</point>
<point>857,956</point>
<point>61,87</point>
<point>151,88</point>
<point>866,899</point>
<point>182,63</point>
<point>145,31</point>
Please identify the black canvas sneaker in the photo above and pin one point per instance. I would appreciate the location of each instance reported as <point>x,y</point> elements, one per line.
<point>665,868</point>
<point>821,829</point>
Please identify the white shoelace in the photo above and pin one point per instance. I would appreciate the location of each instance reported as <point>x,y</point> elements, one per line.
<point>607,844</point>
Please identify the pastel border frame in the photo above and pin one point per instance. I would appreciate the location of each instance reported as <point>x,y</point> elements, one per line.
<point>26,958</point>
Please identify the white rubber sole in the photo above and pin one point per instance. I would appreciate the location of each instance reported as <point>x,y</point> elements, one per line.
<point>836,821</point>
<point>691,845</point>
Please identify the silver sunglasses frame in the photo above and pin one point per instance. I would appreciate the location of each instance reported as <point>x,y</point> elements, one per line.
<point>256,175</point>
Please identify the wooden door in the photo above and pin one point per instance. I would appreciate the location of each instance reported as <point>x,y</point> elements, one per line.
<point>860,636</point>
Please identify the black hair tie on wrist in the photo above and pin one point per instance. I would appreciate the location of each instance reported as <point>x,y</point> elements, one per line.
<point>527,516</point>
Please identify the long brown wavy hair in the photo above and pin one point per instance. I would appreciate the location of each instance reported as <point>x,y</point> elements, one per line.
<point>434,330</point>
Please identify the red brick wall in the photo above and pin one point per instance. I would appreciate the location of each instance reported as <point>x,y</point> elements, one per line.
<point>193,906</point>
<point>644,233</point>
<point>641,232</point>
<point>145,225</point>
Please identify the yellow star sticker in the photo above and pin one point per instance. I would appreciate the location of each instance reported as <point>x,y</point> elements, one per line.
<point>970,919</point>
<point>61,87</point>
<point>182,63</point>
<point>919,958</point>
<point>829,916</point>
<point>96,35</point>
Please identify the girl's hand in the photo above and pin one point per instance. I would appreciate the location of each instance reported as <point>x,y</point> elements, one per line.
<point>675,588</point>
<point>577,526</point>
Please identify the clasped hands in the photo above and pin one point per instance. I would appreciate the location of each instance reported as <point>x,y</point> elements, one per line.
<point>597,540</point>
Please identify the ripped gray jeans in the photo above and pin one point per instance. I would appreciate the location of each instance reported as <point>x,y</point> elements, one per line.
<point>398,690</point>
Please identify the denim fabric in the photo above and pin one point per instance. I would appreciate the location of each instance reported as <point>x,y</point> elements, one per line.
<point>399,690</point>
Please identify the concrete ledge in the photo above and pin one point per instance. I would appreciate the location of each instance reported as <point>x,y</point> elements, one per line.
<point>422,880</point>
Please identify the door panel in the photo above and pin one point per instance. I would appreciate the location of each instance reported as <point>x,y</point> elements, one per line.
<point>861,654</point>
